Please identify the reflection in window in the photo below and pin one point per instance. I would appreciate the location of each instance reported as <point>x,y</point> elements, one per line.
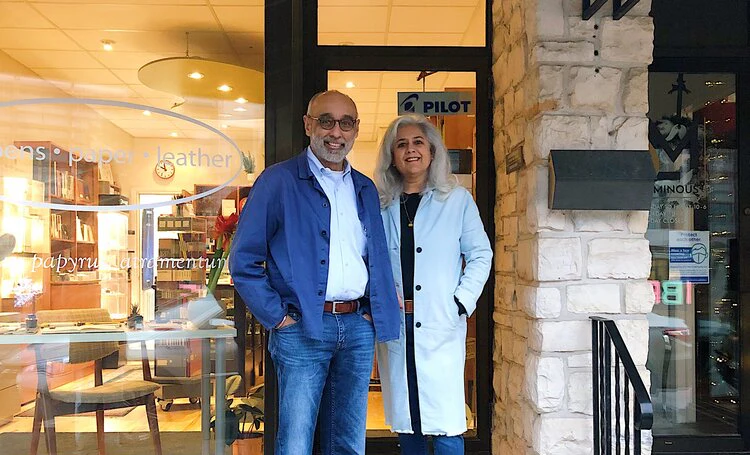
<point>693,348</point>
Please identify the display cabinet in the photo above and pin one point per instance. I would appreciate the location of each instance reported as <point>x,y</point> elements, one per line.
<point>28,226</point>
<point>181,262</point>
<point>68,179</point>
<point>114,263</point>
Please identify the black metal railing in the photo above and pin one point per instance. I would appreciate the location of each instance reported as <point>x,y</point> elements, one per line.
<point>628,419</point>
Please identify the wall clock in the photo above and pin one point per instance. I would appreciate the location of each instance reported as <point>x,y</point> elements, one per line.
<point>164,169</point>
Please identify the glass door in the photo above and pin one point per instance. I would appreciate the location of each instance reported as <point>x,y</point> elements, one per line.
<point>694,325</point>
<point>380,96</point>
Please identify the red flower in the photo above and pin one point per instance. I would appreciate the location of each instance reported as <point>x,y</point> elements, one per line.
<point>225,228</point>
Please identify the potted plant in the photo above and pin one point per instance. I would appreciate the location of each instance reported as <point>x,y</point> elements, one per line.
<point>135,320</point>
<point>249,440</point>
<point>243,419</point>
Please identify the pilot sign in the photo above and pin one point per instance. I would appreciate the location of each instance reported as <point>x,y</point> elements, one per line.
<point>436,103</point>
<point>689,256</point>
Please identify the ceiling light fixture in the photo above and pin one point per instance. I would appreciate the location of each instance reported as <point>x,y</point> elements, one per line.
<point>108,45</point>
<point>239,109</point>
<point>224,125</point>
<point>173,134</point>
<point>221,82</point>
<point>196,75</point>
<point>350,84</point>
<point>147,113</point>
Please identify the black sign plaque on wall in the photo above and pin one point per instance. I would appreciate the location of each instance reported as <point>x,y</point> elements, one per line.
<point>601,179</point>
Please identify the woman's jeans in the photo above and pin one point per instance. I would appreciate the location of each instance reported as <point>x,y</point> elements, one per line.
<point>416,444</point>
<point>332,375</point>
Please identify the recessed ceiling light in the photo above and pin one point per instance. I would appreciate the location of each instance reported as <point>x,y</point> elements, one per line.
<point>108,45</point>
<point>239,109</point>
<point>147,113</point>
<point>350,84</point>
<point>240,100</point>
<point>173,134</point>
<point>224,125</point>
<point>195,75</point>
<point>224,88</point>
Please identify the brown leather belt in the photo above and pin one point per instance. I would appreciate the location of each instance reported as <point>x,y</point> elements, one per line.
<point>409,306</point>
<point>341,306</point>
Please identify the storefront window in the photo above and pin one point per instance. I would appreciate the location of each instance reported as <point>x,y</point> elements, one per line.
<point>129,138</point>
<point>402,23</point>
<point>693,343</point>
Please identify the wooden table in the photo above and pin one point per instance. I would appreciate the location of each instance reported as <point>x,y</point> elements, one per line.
<point>64,335</point>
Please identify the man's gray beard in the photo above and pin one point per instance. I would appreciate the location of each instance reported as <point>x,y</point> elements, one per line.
<point>319,148</point>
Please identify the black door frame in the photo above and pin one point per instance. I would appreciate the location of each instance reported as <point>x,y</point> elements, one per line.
<point>723,61</point>
<point>296,67</point>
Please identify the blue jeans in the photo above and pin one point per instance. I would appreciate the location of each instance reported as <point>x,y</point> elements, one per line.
<point>416,444</point>
<point>330,377</point>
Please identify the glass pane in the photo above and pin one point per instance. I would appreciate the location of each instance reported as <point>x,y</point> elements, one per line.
<point>108,208</point>
<point>693,342</point>
<point>376,96</point>
<point>402,23</point>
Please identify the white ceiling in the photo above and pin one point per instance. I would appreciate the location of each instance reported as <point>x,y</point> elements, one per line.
<point>60,40</point>
<point>401,22</point>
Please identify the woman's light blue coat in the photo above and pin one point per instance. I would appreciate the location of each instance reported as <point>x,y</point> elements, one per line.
<point>448,231</point>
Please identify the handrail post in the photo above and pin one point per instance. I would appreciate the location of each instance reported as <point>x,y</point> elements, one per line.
<point>605,338</point>
<point>597,401</point>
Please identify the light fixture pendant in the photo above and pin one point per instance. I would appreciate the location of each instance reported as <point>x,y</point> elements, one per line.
<point>206,79</point>
<point>221,81</point>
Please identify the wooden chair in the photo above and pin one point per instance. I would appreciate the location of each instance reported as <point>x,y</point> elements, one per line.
<point>100,397</point>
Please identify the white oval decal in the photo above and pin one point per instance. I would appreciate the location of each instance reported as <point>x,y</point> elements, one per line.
<point>118,208</point>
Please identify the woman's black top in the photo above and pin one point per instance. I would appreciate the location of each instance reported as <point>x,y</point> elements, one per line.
<point>409,204</point>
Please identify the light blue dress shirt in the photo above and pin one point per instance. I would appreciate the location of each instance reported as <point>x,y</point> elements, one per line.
<point>347,271</point>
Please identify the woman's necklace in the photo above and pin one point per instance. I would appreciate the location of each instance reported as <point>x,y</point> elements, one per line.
<point>406,211</point>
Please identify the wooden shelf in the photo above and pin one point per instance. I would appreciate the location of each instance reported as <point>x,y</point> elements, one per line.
<point>71,181</point>
<point>74,283</point>
<point>54,198</point>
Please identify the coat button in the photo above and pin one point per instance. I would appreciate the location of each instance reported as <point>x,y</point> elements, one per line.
<point>418,287</point>
<point>418,324</point>
<point>323,233</point>
<point>322,262</point>
<point>320,292</point>
<point>419,249</point>
<point>325,205</point>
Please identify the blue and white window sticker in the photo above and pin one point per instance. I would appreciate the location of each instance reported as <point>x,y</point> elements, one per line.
<point>689,256</point>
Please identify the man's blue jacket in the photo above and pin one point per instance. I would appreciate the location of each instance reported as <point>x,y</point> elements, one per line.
<point>279,254</point>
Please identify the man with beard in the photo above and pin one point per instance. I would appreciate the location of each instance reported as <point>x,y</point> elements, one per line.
<point>310,260</point>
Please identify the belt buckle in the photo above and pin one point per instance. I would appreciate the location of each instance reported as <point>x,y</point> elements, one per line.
<point>333,306</point>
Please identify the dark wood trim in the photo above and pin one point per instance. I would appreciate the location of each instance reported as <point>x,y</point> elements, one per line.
<point>743,238</point>
<point>296,68</point>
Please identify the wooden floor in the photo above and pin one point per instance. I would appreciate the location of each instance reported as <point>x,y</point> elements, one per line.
<point>183,416</point>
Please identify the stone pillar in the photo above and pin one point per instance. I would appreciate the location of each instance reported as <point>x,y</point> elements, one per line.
<point>561,82</point>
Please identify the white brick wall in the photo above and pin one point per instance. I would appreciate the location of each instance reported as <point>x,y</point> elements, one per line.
<point>561,82</point>
<point>594,298</point>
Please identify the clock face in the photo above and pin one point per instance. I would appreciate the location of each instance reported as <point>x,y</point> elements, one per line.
<point>164,169</point>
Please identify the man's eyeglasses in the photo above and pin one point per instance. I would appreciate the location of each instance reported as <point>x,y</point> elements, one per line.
<point>327,122</point>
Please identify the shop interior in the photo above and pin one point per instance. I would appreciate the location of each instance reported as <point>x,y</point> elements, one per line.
<point>117,200</point>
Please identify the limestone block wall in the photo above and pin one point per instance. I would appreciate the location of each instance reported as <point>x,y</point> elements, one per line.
<point>561,82</point>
